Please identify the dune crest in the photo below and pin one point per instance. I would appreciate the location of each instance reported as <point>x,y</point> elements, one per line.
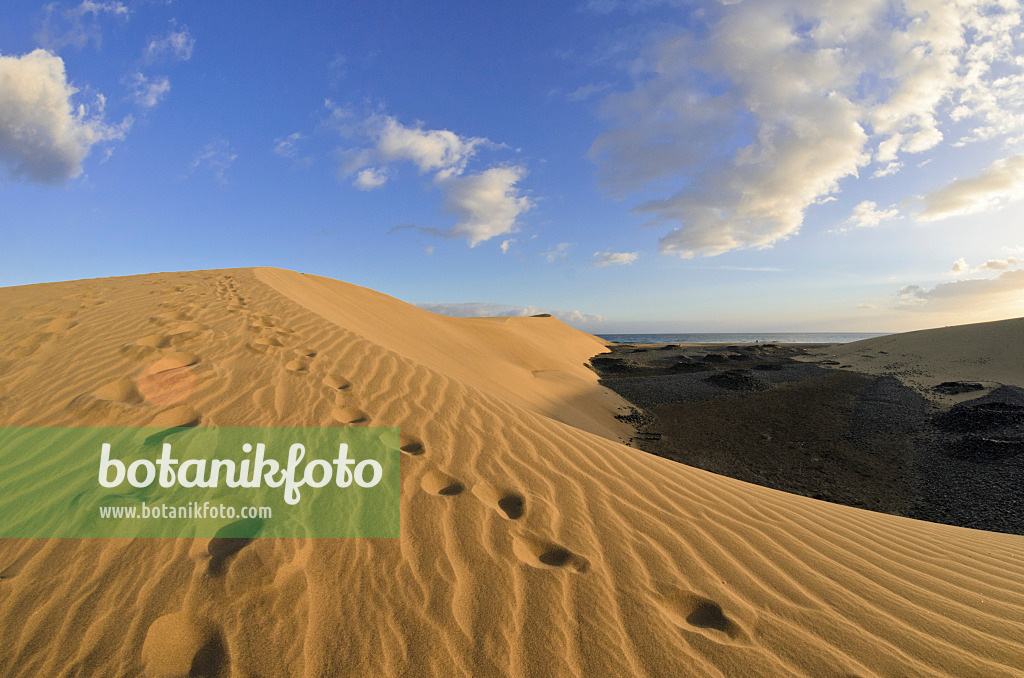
<point>533,543</point>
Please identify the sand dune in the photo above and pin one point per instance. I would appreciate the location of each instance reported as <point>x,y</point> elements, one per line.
<point>533,543</point>
<point>989,353</point>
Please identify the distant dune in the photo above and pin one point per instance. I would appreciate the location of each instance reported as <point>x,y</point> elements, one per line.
<point>992,353</point>
<point>533,542</point>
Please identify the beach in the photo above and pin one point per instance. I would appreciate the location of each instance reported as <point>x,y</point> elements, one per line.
<point>536,539</point>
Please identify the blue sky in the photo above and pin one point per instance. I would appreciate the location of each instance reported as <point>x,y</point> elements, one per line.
<point>654,165</point>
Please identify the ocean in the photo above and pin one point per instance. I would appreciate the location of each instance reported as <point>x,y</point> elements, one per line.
<point>743,338</point>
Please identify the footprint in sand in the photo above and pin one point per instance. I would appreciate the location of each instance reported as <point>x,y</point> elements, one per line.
<point>693,612</point>
<point>440,483</point>
<point>263,344</point>
<point>297,365</point>
<point>410,444</point>
<point>170,379</point>
<point>115,398</point>
<point>29,345</point>
<point>176,417</point>
<point>121,391</point>
<point>186,331</point>
<point>153,341</point>
<point>336,381</point>
<point>510,504</point>
<point>168,317</point>
<point>548,555</point>
<point>61,323</point>
<point>228,541</point>
<point>305,352</point>
<point>346,414</point>
<point>180,644</point>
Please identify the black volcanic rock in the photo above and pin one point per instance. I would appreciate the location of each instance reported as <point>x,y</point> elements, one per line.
<point>958,387</point>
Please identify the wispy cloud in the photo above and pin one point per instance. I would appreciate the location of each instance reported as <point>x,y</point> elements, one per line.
<point>44,135</point>
<point>608,258</point>
<point>176,45</point>
<point>147,92</point>
<point>78,25</point>
<point>556,252</point>
<point>216,157</point>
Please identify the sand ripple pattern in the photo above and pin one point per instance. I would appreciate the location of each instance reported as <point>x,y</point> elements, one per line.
<point>533,543</point>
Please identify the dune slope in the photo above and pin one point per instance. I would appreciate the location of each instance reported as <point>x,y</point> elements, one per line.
<point>533,543</point>
<point>989,353</point>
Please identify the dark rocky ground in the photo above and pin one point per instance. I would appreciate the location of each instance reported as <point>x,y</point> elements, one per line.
<point>754,413</point>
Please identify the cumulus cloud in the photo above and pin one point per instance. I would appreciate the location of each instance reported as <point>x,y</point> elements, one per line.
<point>484,204</point>
<point>216,157</point>
<point>370,178</point>
<point>737,126</point>
<point>76,26</point>
<point>505,244</point>
<point>44,136</point>
<point>608,257</point>
<point>1000,183</point>
<point>959,267</point>
<point>176,45</point>
<point>866,215</point>
<point>147,92</point>
<point>491,310</point>
<point>435,150</point>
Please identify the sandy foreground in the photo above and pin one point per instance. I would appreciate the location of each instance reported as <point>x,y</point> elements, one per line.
<point>534,543</point>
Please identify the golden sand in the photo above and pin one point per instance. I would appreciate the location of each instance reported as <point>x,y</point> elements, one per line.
<point>533,542</point>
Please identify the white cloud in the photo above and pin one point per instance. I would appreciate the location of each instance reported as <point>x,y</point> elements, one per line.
<point>370,178</point>
<point>76,26</point>
<point>891,168</point>
<point>485,205</point>
<point>959,267</point>
<point>217,156</point>
<point>608,257</point>
<point>973,293</point>
<point>740,124</point>
<point>587,91</point>
<point>147,92</point>
<point>505,244</point>
<point>286,147</point>
<point>1000,183</point>
<point>44,136</point>
<point>556,252</point>
<point>492,310</point>
<point>866,214</point>
<point>176,45</point>
<point>434,150</point>
<point>998,264</point>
